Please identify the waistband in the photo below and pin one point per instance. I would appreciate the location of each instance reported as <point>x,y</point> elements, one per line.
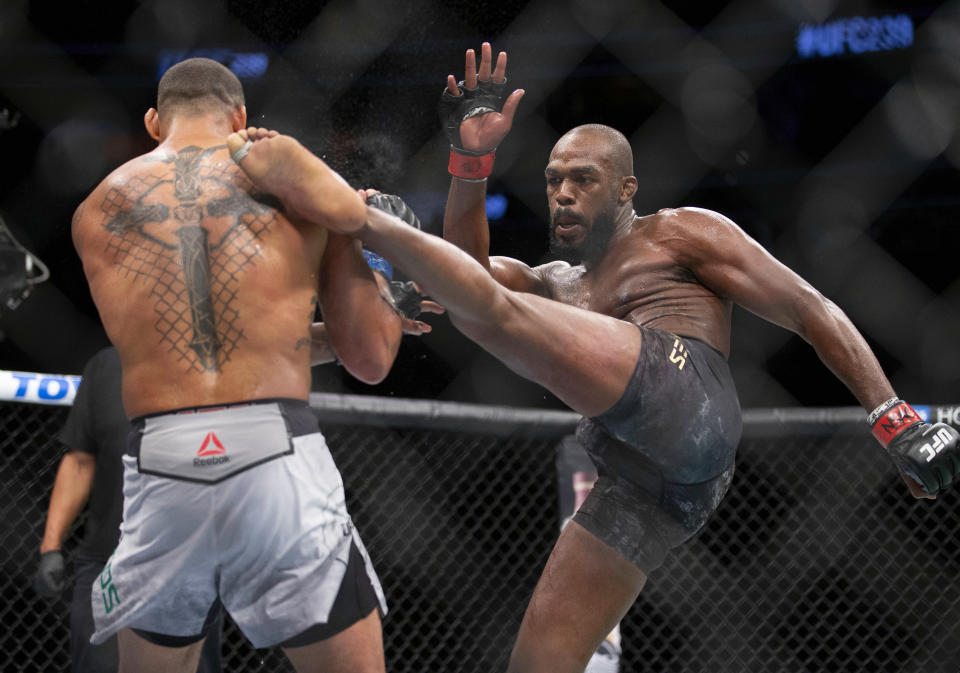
<point>703,346</point>
<point>298,415</point>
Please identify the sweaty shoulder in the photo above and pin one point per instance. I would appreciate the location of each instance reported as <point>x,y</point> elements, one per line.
<point>689,233</point>
<point>550,270</point>
<point>518,276</point>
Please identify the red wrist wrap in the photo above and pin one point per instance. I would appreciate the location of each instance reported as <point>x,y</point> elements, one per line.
<point>896,419</point>
<point>471,167</point>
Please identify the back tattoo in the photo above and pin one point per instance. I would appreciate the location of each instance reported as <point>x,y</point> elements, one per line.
<point>158,236</point>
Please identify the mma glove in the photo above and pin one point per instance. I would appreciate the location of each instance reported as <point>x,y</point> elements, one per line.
<point>489,96</point>
<point>393,204</point>
<point>406,297</point>
<point>928,453</point>
<point>50,578</point>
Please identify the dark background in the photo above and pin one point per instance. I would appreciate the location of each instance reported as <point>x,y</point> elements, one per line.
<point>844,165</point>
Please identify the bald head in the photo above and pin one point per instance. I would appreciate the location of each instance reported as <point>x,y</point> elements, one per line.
<point>198,86</point>
<point>608,143</point>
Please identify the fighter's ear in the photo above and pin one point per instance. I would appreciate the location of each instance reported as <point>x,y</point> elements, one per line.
<point>628,187</point>
<point>151,120</point>
<point>238,120</point>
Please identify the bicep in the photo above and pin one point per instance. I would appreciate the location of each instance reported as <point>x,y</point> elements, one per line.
<point>734,266</point>
<point>515,275</point>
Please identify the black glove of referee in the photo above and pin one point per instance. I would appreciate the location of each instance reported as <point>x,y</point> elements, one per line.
<point>50,578</point>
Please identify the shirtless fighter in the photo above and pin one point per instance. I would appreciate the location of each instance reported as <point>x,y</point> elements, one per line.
<point>208,288</point>
<point>634,336</point>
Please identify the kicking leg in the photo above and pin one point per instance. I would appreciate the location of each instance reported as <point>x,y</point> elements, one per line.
<point>582,357</point>
<point>307,187</point>
<point>585,590</point>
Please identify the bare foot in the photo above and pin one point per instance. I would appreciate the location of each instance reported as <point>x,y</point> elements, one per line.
<point>307,187</point>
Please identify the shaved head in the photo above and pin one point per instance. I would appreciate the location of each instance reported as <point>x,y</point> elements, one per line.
<point>590,185</point>
<point>198,86</point>
<point>614,146</point>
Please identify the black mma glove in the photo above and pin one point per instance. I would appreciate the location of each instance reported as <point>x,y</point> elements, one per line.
<point>489,96</point>
<point>49,580</point>
<point>393,204</point>
<point>928,453</point>
<point>406,298</point>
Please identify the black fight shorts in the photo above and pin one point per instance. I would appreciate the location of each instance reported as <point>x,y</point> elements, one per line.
<point>664,452</point>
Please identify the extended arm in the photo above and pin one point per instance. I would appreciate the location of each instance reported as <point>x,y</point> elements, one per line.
<point>735,266</point>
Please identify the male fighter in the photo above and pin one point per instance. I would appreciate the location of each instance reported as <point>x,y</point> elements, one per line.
<point>208,288</point>
<point>634,337</point>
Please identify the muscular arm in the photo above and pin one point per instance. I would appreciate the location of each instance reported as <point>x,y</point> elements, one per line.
<point>465,225</point>
<point>71,489</point>
<point>465,218</point>
<point>735,266</point>
<point>361,327</point>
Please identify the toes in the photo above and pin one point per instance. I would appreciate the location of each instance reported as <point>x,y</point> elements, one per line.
<point>238,145</point>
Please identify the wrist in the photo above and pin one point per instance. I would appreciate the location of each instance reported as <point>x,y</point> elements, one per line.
<point>881,409</point>
<point>891,418</point>
<point>471,166</point>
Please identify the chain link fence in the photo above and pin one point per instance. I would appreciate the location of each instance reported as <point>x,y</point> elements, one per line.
<point>817,560</point>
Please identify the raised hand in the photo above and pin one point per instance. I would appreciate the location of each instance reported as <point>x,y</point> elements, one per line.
<point>476,112</point>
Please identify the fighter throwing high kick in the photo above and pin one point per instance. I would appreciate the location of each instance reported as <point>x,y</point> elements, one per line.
<point>632,331</point>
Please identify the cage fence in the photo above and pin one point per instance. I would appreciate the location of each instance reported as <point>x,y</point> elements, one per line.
<point>817,560</point>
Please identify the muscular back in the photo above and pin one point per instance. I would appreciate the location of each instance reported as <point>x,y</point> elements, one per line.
<point>642,279</point>
<point>206,288</point>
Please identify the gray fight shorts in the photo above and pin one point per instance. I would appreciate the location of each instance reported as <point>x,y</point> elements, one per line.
<point>241,504</point>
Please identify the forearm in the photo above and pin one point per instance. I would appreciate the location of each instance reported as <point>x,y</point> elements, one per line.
<point>465,219</point>
<point>842,348</point>
<point>368,341</point>
<point>361,327</point>
<point>71,489</point>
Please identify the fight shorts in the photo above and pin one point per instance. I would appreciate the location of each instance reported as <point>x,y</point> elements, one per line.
<point>239,504</point>
<point>664,452</point>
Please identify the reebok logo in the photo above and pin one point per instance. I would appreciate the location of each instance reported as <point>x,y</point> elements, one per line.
<point>215,450</point>
<point>211,452</point>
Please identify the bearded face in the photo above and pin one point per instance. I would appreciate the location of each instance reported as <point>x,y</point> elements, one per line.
<point>586,176</point>
<point>574,238</point>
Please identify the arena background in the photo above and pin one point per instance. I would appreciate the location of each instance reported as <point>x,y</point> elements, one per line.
<point>827,130</point>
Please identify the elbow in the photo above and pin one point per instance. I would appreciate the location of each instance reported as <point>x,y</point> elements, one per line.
<point>370,370</point>
<point>371,362</point>
<point>816,314</point>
